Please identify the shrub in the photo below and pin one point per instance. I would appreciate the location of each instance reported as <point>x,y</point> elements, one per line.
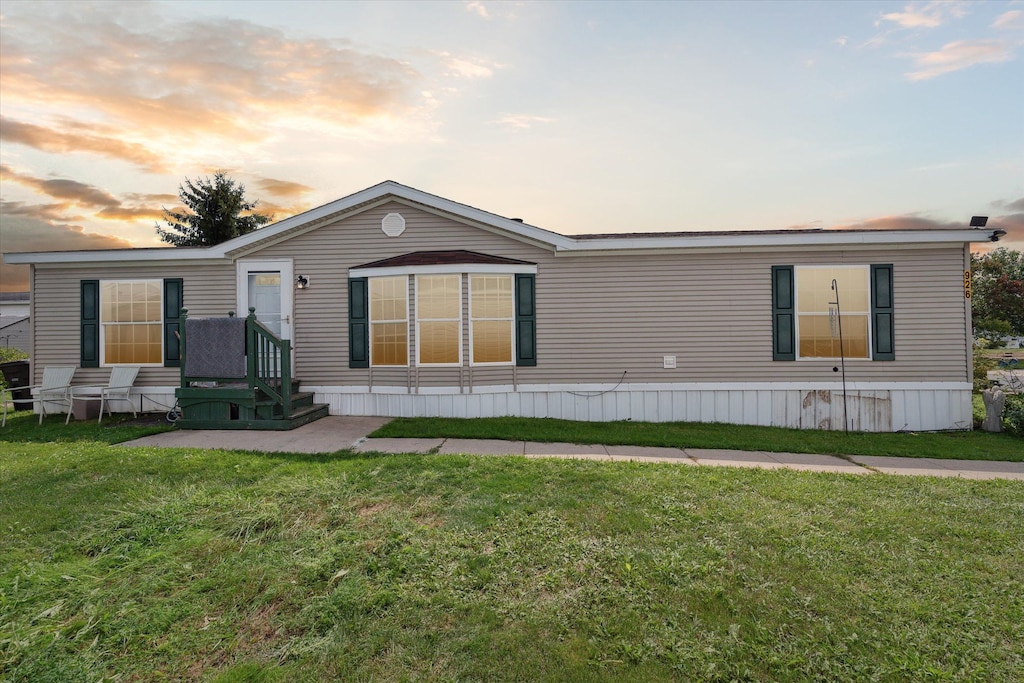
<point>1013,414</point>
<point>982,364</point>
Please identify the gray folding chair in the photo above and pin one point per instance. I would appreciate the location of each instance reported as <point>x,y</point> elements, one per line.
<point>55,389</point>
<point>119,388</point>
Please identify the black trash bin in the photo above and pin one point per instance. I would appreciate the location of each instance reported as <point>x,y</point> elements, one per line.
<point>17,376</point>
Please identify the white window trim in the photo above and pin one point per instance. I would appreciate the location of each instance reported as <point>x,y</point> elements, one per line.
<point>369,316</point>
<point>511,319</point>
<point>420,363</point>
<point>103,325</point>
<point>797,312</point>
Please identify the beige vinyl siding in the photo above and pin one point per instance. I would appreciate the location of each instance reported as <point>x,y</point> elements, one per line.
<point>599,316</point>
<point>209,290</point>
<point>321,312</point>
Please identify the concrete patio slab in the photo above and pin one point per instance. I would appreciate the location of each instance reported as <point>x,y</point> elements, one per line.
<point>483,447</point>
<point>398,445</point>
<point>325,435</point>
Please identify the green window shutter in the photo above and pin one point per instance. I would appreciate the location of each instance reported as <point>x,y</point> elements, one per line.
<point>358,322</point>
<point>174,299</point>
<point>90,324</point>
<point>526,320</point>
<point>783,314</point>
<point>883,337</point>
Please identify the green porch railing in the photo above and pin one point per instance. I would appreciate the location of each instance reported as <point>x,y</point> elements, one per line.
<point>268,363</point>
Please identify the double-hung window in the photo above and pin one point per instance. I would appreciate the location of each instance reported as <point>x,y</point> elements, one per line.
<point>389,320</point>
<point>814,306</point>
<point>131,322</point>
<point>491,319</point>
<point>823,312</point>
<point>439,319</point>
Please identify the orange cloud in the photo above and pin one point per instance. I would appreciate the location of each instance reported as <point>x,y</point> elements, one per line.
<point>158,80</point>
<point>282,188</point>
<point>74,193</point>
<point>63,142</point>
<point>25,232</point>
<point>62,188</point>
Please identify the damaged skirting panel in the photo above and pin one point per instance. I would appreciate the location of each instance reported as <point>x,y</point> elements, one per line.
<point>937,406</point>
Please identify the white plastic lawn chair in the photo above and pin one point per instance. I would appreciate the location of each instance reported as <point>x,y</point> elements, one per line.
<point>118,388</point>
<point>56,388</point>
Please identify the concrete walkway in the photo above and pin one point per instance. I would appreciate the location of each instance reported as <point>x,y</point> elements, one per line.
<point>331,434</point>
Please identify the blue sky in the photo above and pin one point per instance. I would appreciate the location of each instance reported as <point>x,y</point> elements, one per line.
<point>579,117</point>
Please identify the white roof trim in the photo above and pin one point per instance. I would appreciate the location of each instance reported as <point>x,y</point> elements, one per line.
<point>112,255</point>
<point>560,243</point>
<point>779,239</point>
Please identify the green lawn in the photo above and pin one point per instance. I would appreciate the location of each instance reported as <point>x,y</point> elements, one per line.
<point>974,445</point>
<point>164,565</point>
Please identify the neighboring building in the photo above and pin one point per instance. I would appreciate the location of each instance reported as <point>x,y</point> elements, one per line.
<point>14,304</point>
<point>14,322</point>
<point>412,304</point>
<point>14,332</point>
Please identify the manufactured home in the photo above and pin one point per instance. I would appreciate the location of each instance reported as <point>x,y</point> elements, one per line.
<point>392,301</point>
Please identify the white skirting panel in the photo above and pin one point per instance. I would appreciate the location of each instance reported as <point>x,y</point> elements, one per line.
<point>873,409</point>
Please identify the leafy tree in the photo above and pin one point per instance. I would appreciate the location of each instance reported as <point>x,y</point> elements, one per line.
<point>998,290</point>
<point>216,211</point>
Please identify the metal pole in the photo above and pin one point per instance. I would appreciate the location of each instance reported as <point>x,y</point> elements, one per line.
<point>842,354</point>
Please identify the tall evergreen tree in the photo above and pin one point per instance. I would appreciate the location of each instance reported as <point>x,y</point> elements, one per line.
<point>216,211</point>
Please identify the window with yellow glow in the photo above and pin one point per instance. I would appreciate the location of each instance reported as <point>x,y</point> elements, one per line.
<point>131,322</point>
<point>491,316</point>
<point>818,320</point>
<point>439,319</point>
<point>389,320</point>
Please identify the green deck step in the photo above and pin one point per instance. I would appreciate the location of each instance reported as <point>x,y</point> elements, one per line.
<point>239,407</point>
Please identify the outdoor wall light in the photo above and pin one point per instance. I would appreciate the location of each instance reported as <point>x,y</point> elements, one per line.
<point>302,282</point>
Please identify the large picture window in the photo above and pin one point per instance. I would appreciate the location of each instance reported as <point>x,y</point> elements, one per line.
<point>491,317</point>
<point>439,319</point>
<point>389,321</point>
<point>131,322</point>
<point>817,315</point>
<point>442,292</point>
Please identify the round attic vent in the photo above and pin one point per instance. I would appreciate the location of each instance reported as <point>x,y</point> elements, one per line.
<point>393,224</point>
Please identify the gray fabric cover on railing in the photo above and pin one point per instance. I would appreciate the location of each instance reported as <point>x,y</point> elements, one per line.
<point>215,347</point>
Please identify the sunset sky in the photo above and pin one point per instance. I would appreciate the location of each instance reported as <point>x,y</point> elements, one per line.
<point>578,117</point>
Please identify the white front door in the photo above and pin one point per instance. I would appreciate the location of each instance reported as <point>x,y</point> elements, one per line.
<point>267,287</point>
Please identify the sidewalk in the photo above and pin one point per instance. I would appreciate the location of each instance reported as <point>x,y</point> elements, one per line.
<point>856,464</point>
<point>331,434</point>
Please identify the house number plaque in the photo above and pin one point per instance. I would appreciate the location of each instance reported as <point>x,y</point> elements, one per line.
<point>967,284</point>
